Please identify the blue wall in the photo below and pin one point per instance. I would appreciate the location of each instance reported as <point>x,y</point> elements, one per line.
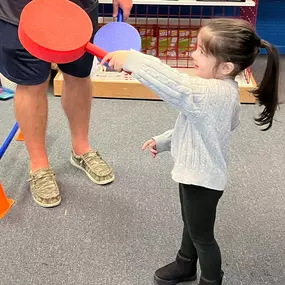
<point>271,22</point>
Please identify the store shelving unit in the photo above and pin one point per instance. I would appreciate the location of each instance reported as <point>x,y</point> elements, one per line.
<point>169,31</point>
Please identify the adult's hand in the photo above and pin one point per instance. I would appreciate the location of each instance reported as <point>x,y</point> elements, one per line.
<point>126,6</point>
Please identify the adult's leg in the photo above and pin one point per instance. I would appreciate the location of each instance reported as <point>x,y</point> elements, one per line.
<point>31,113</point>
<point>76,101</point>
<point>31,76</point>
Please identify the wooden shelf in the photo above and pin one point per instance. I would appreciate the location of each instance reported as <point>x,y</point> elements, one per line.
<point>188,3</point>
<point>112,84</point>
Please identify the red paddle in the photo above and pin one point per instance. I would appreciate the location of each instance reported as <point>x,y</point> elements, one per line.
<point>56,31</point>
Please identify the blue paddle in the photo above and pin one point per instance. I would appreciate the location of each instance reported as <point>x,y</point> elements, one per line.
<point>118,36</point>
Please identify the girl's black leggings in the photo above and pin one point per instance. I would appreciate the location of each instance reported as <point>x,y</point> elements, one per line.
<point>198,205</point>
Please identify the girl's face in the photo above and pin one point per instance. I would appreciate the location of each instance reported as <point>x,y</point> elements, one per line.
<point>205,64</point>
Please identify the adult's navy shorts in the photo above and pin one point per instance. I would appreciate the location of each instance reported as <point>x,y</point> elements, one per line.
<point>22,68</point>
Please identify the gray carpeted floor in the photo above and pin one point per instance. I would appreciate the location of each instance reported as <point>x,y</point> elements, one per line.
<point>119,234</point>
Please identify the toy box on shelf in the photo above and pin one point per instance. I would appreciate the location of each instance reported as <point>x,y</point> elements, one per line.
<point>169,31</point>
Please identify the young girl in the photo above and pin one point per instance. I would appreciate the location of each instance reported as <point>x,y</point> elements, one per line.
<point>199,142</point>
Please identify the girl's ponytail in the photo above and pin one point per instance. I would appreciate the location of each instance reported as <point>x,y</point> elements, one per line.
<point>267,92</point>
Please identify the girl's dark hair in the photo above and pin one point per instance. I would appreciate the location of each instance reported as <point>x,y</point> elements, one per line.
<point>235,41</point>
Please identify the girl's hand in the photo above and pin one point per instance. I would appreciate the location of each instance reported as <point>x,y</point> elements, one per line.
<point>151,144</point>
<point>116,59</point>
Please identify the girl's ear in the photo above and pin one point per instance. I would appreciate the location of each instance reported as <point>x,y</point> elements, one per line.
<point>226,68</point>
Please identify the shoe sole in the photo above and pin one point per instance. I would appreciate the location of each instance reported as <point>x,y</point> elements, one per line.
<point>47,205</point>
<point>160,281</point>
<point>90,177</point>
